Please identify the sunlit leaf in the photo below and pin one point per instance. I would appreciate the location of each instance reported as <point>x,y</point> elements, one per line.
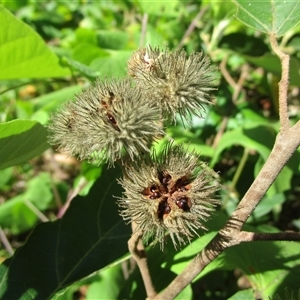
<point>243,295</point>
<point>23,53</point>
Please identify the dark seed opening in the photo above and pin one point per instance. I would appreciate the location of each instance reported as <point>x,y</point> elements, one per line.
<point>163,208</point>
<point>111,96</point>
<point>183,203</point>
<point>112,121</point>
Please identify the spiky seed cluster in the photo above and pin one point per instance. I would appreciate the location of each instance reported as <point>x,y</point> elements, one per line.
<point>105,120</point>
<point>179,84</point>
<point>173,193</point>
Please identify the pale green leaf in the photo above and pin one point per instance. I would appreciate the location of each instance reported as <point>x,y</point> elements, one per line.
<point>269,16</point>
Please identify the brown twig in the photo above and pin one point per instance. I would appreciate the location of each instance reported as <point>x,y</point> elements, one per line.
<point>237,86</point>
<point>137,250</point>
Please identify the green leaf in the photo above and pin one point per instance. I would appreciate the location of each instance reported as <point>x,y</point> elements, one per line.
<point>243,295</point>
<point>191,140</point>
<point>90,236</point>
<point>51,101</point>
<point>113,66</point>
<point>271,63</point>
<point>108,286</point>
<point>82,68</point>
<point>86,35</point>
<point>16,215</point>
<point>269,16</point>
<point>182,258</point>
<point>167,8</point>
<point>243,44</point>
<point>266,205</point>
<point>20,141</point>
<point>259,138</point>
<point>23,53</point>
<point>255,259</point>
<point>85,53</point>
<point>109,39</point>
<point>48,103</point>
<point>5,176</point>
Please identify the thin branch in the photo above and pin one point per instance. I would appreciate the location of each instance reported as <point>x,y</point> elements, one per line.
<point>237,86</point>
<point>138,252</point>
<point>220,132</point>
<point>277,236</point>
<point>192,27</point>
<point>215,247</point>
<point>225,72</point>
<point>5,242</point>
<point>144,30</point>
<point>283,83</point>
<point>81,185</point>
<point>36,211</point>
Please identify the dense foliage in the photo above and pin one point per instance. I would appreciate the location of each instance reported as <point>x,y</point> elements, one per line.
<point>60,215</point>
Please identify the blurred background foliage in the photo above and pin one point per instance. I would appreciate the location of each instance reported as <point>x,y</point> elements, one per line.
<point>51,50</point>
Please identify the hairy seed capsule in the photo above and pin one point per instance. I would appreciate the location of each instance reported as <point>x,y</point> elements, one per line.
<point>175,82</point>
<point>102,122</point>
<point>173,193</point>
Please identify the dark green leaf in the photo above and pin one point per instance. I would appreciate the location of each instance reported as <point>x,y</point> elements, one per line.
<point>89,236</point>
<point>244,44</point>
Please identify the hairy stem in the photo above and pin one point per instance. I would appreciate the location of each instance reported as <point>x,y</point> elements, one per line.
<point>287,141</point>
<point>283,83</point>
